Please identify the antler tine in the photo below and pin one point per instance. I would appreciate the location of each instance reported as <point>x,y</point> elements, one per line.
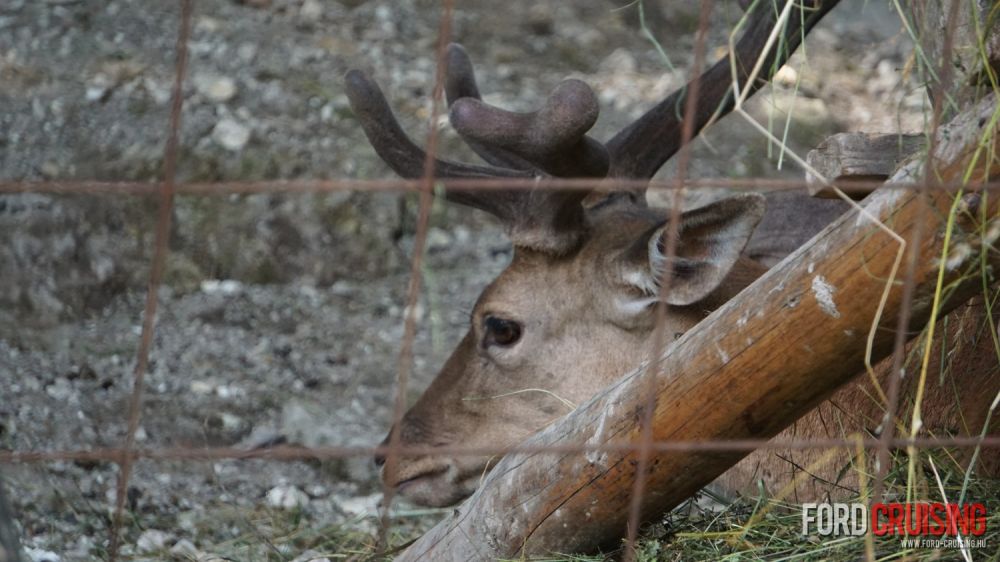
<point>394,146</point>
<point>552,139</point>
<point>545,221</point>
<point>460,79</point>
<point>460,82</point>
<point>640,149</point>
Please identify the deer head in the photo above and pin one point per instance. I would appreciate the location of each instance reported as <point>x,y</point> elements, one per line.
<point>574,309</point>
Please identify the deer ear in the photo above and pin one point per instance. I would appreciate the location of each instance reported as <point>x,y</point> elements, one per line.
<point>710,241</point>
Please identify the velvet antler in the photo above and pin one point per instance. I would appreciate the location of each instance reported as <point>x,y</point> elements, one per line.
<point>641,148</point>
<point>553,140</point>
<point>549,221</point>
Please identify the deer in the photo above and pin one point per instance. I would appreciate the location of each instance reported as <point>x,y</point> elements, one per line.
<point>575,308</point>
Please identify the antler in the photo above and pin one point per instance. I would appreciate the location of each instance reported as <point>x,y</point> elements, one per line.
<point>642,147</point>
<point>553,141</point>
<point>545,221</point>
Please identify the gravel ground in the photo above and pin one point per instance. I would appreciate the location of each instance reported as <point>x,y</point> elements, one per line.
<point>282,315</point>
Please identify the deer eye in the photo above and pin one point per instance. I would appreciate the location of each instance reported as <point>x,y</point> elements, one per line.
<point>500,331</point>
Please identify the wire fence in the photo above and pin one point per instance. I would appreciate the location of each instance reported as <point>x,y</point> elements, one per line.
<point>167,188</point>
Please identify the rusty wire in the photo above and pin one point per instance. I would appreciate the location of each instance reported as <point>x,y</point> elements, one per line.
<point>128,454</point>
<point>909,284</point>
<point>209,189</point>
<point>654,369</point>
<point>164,214</point>
<point>416,276</point>
<point>288,453</point>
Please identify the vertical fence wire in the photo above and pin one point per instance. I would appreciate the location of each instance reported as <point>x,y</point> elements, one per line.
<point>416,275</point>
<point>161,241</point>
<point>653,371</point>
<point>940,88</point>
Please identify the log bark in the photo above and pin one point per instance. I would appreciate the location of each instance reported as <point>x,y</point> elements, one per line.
<point>860,158</point>
<point>747,371</point>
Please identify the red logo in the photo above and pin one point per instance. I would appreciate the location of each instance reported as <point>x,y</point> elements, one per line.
<point>928,519</point>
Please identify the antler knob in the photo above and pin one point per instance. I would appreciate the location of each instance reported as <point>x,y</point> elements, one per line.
<point>552,139</point>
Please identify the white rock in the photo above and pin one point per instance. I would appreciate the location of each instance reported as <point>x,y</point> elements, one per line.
<point>224,286</point>
<point>261,436</point>
<point>185,548</point>
<point>188,521</point>
<point>206,24</point>
<point>160,93</point>
<point>231,134</point>
<point>39,555</point>
<point>95,92</point>
<point>151,540</point>
<point>318,491</point>
<point>311,10</point>
<point>786,76</point>
<point>229,391</point>
<point>438,238</point>
<point>218,89</point>
<point>247,52</point>
<point>343,288</point>
<point>361,505</point>
<point>230,422</point>
<point>82,547</point>
<point>202,387</point>
<point>60,389</point>
<point>286,496</point>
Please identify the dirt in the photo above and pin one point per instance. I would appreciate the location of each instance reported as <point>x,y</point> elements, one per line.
<point>282,315</point>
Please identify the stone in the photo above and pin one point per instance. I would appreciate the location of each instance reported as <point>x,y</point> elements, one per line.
<point>40,555</point>
<point>151,540</point>
<point>311,10</point>
<point>287,497</point>
<point>218,89</point>
<point>231,135</point>
<point>184,548</point>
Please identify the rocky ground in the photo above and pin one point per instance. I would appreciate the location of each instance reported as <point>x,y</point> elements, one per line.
<point>282,314</point>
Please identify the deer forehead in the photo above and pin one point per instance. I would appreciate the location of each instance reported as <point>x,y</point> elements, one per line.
<point>533,286</point>
<point>580,285</point>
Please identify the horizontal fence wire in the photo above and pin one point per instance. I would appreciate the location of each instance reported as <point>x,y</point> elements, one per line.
<point>302,452</point>
<point>86,187</point>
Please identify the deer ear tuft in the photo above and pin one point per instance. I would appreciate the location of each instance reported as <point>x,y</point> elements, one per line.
<point>710,241</point>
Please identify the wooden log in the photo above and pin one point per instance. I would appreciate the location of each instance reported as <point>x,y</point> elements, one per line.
<point>747,371</point>
<point>857,158</point>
